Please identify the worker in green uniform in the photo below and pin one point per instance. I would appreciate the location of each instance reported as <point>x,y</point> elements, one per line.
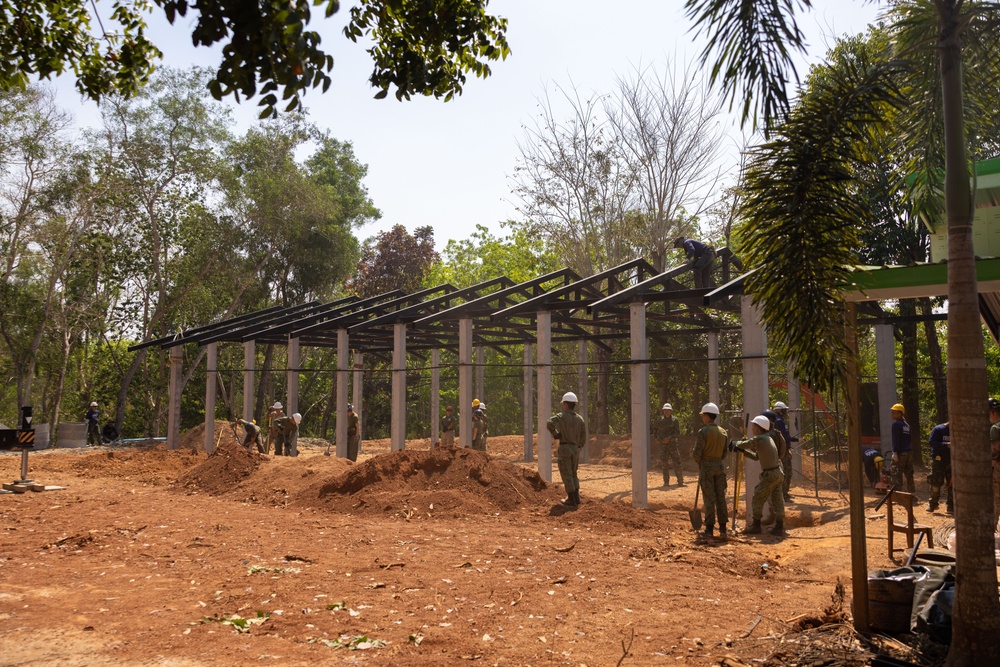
<point>448,428</point>
<point>709,449</point>
<point>761,448</point>
<point>478,430</point>
<point>276,412</point>
<point>286,430</point>
<point>571,431</point>
<point>251,436</point>
<point>666,431</point>
<point>353,433</point>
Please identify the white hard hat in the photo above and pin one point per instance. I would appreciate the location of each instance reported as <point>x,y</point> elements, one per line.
<point>350,407</point>
<point>93,404</point>
<point>277,405</point>
<point>569,397</point>
<point>780,406</point>
<point>710,409</point>
<point>763,422</point>
<point>667,406</point>
<point>297,418</point>
<point>482,406</point>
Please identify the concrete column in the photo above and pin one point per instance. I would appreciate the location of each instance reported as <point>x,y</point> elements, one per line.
<point>340,427</point>
<point>885,361</point>
<point>795,419</point>
<point>398,419</point>
<point>174,405</point>
<point>713,367</point>
<point>529,401</point>
<point>249,369</point>
<point>582,392</point>
<point>292,377</point>
<point>465,382</point>
<point>357,397</point>
<point>480,392</point>
<point>755,389</point>
<point>544,366</point>
<point>435,395</point>
<point>211,378</point>
<point>640,404</point>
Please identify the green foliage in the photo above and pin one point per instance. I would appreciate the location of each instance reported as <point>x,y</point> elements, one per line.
<point>484,256</point>
<point>394,259</point>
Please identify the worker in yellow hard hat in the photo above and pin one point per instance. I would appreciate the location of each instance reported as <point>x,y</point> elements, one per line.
<point>902,449</point>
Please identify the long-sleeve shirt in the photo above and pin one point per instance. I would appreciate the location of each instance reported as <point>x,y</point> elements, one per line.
<point>447,423</point>
<point>901,436</point>
<point>710,444</point>
<point>568,427</point>
<point>693,249</point>
<point>940,442</point>
<point>92,416</point>
<point>782,427</point>
<point>665,428</point>
<point>761,448</point>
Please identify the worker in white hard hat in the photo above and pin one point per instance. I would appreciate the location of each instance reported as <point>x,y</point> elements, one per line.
<point>666,432</point>
<point>709,451</point>
<point>479,428</point>
<point>781,424</point>
<point>571,431</point>
<point>92,418</point>
<point>762,449</point>
<point>287,430</point>
<point>274,413</point>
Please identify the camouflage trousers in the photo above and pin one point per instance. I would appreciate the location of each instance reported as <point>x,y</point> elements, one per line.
<point>569,461</point>
<point>712,478</point>
<point>769,488</point>
<point>671,454</point>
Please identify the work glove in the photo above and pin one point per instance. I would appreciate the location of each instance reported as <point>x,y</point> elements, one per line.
<point>731,445</point>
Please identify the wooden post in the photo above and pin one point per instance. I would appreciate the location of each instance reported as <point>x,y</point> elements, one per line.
<point>340,429</point>
<point>358,398</point>
<point>211,379</point>
<point>398,418</point>
<point>544,366</point>
<point>855,478</point>
<point>465,382</point>
<point>292,377</point>
<point>435,395</point>
<point>249,368</point>
<point>755,389</point>
<point>582,393</point>
<point>174,404</point>
<point>885,362</point>
<point>713,367</point>
<point>529,401</point>
<point>640,405</point>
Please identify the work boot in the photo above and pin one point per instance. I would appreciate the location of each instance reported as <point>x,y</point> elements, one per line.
<point>722,531</point>
<point>932,506</point>
<point>788,498</point>
<point>568,500</point>
<point>753,528</point>
<point>666,481</point>
<point>576,498</point>
<point>709,531</point>
<point>779,527</point>
<point>680,481</point>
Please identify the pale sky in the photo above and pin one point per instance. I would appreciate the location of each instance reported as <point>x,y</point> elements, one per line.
<point>447,164</point>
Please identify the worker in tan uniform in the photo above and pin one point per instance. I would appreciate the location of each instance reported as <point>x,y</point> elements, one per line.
<point>709,449</point>
<point>762,449</point>
<point>571,431</point>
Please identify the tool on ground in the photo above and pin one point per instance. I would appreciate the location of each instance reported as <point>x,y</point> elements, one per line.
<point>888,493</point>
<point>328,445</point>
<point>695,513</point>
<point>913,554</point>
<point>219,439</point>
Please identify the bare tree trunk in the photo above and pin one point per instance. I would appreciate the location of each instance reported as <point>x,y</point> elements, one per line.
<point>266,383</point>
<point>328,411</point>
<point>133,368</point>
<point>911,390</point>
<point>937,362</point>
<point>976,620</point>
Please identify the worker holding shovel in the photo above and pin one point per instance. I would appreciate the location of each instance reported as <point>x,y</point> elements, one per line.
<point>761,448</point>
<point>709,450</point>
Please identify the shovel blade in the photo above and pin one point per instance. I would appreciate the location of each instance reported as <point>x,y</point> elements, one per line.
<point>695,518</point>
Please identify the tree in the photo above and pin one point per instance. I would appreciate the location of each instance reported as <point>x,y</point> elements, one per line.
<point>393,260</point>
<point>752,42</point>
<point>484,256</point>
<point>421,47</point>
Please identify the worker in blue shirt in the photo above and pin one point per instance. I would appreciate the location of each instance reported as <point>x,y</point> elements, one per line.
<point>702,258</point>
<point>940,442</point>
<point>902,450</point>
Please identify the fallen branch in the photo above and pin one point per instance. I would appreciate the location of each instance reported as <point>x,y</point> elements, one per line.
<point>752,626</point>
<point>626,649</point>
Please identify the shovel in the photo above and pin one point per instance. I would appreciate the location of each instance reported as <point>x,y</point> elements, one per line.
<point>694,513</point>
<point>328,445</point>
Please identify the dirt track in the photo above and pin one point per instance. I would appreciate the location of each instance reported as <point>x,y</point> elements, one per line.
<point>446,557</point>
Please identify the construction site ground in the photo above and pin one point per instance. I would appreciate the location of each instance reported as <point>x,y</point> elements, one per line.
<point>421,557</point>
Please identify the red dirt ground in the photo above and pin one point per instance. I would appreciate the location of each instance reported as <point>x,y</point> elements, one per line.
<point>449,557</point>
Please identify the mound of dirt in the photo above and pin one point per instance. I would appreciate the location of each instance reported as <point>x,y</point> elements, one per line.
<point>280,478</point>
<point>156,466</point>
<point>228,465</point>
<point>424,483</point>
<point>194,438</point>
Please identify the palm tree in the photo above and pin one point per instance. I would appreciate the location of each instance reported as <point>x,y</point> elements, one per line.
<point>805,222</point>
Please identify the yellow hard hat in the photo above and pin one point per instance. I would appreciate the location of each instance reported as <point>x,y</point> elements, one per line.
<point>475,402</point>
<point>898,407</point>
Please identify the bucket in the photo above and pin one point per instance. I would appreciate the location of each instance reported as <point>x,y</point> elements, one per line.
<point>890,598</point>
<point>72,434</point>
<point>933,557</point>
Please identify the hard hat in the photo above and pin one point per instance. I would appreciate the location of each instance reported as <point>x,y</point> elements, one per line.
<point>994,405</point>
<point>277,405</point>
<point>448,409</point>
<point>762,421</point>
<point>569,397</point>
<point>773,418</point>
<point>254,421</point>
<point>482,406</point>
<point>710,409</point>
<point>898,407</point>
<point>667,406</point>
<point>93,404</point>
<point>780,406</point>
<point>350,407</point>
<point>475,402</point>
<point>297,418</point>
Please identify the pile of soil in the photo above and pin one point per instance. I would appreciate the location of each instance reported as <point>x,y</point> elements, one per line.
<point>280,478</point>
<point>228,465</point>
<point>427,483</point>
<point>194,438</point>
<point>156,466</point>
